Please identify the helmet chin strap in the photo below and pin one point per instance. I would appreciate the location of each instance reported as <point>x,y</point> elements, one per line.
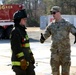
<point>23,25</point>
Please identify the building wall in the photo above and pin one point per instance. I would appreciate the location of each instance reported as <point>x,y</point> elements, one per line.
<point>45,20</point>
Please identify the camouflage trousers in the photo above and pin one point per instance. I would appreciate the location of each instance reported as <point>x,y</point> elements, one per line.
<point>62,60</point>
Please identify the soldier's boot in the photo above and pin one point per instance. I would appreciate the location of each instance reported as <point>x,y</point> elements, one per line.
<point>65,73</point>
<point>55,73</point>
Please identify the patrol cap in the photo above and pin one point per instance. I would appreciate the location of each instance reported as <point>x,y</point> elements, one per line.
<point>20,14</point>
<point>55,9</point>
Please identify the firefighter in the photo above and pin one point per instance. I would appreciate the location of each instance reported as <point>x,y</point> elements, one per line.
<point>59,29</point>
<point>22,56</point>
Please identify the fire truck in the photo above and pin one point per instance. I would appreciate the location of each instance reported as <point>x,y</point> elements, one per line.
<point>6,19</point>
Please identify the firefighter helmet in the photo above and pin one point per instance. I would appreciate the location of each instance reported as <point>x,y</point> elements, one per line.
<point>20,14</point>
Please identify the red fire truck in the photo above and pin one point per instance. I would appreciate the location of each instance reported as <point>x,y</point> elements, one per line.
<point>6,19</point>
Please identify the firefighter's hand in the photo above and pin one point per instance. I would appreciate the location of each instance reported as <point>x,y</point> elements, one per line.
<point>23,64</point>
<point>42,39</point>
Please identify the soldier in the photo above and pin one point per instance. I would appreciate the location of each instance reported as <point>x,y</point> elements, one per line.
<point>22,56</point>
<point>59,29</point>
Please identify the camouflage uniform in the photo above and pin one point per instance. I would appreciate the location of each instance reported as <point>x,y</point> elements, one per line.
<point>60,49</point>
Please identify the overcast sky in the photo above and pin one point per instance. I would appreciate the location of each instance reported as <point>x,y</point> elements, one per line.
<point>0,1</point>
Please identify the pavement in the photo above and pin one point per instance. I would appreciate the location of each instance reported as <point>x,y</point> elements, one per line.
<point>41,53</point>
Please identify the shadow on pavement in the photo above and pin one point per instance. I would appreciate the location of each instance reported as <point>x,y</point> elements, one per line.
<point>8,41</point>
<point>33,40</point>
<point>4,41</point>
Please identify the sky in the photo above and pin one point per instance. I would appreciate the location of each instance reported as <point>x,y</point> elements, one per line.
<point>0,1</point>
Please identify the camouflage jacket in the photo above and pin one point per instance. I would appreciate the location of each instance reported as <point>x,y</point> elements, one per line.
<point>59,32</point>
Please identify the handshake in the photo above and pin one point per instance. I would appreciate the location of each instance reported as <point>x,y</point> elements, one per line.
<point>42,39</point>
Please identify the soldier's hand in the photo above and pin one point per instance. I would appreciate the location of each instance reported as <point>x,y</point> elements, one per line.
<point>42,39</point>
<point>75,38</point>
<point>74,41</point>
<point>23,63</point>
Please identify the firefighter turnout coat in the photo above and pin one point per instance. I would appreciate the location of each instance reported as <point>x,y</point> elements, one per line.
<point>20,46</point>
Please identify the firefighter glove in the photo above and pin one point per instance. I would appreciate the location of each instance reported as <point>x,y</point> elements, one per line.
<point>24,64</point>
<point>42,39</point>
